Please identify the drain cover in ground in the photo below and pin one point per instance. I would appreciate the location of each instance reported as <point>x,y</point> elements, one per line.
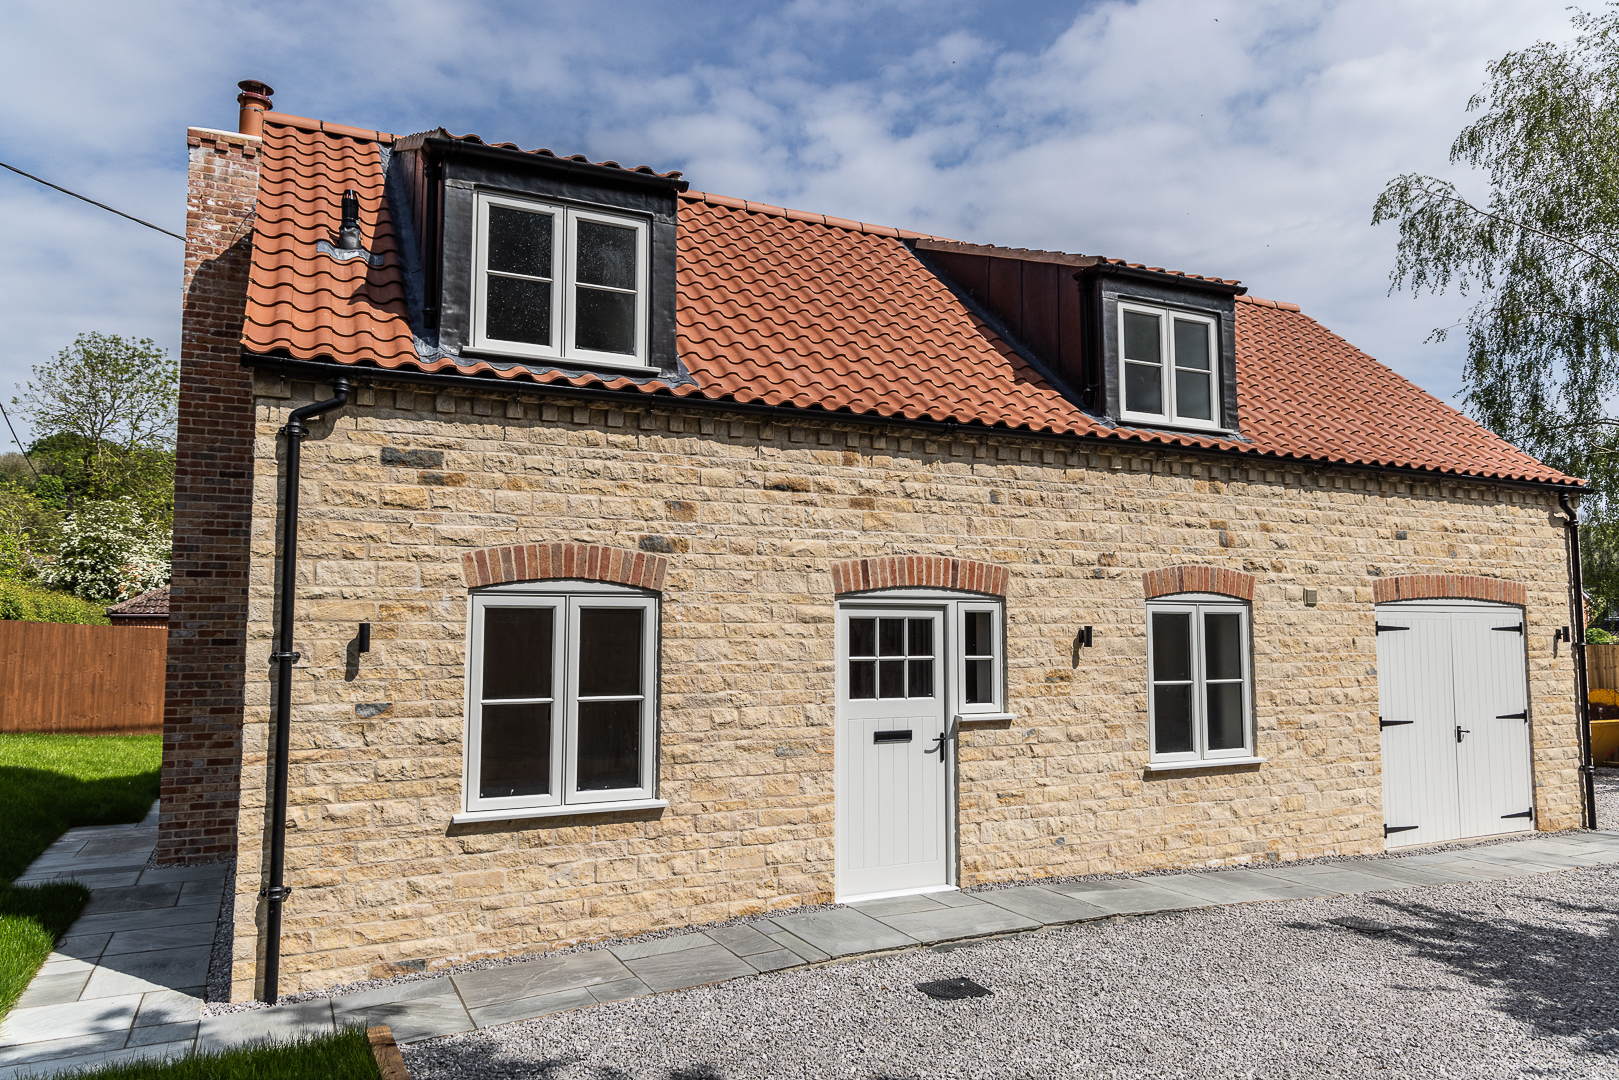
<point>953,989</point>
<point>1365,926</point>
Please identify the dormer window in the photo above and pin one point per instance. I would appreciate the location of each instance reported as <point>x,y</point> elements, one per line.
<point>559,282</point>
<point>1168,367</point>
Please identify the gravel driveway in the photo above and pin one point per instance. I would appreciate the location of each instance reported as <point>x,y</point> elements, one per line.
<point>1504,979</point>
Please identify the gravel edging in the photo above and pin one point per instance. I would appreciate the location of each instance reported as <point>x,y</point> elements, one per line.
<point>219,960</point>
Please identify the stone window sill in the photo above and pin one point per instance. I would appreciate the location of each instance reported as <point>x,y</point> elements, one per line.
<point>1216,763</point>
<point>968,720</point>
<point>523,813</point>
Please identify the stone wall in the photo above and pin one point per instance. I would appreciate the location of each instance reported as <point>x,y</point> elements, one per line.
<point>751,518</point>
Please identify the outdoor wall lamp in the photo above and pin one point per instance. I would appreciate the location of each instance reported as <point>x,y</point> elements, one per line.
<point>365,638</point>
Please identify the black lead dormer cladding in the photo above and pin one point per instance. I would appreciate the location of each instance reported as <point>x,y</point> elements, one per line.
<point>532,259</point>
<point>1136,347</point>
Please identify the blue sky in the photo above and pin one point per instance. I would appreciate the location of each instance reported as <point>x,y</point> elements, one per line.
<point>1241,139</point>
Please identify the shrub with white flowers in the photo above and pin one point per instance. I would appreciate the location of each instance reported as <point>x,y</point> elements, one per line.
<point>106,551</point>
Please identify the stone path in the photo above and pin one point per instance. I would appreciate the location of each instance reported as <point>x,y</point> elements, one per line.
<point>127,980</point>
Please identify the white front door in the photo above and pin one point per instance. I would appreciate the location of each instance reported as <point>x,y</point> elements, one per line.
<point>1452,703</point>
<point>893,751</point>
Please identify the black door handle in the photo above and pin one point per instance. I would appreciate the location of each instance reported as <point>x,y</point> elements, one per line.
<point>938,745</point>
<point>1460,731</point>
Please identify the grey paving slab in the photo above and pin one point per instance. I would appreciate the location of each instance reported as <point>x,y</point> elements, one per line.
<point>1411,875</point>
<point>159,874</point>
<point>81,946</point>
<point>160,969</point>
<point>1215,888</point>
<point>774,960</point>
<point>797,945</point>
<point>619,991</point>
<point>68,1021</point>
<point>742,940</point>
<point>282,1023</point>
<point>948,924</point>
<point>842,931</point>
<point>1335,878</point>
<point>54,989</point>
<point>547,975</point>
<point>167,1007</point>
<point>1490,871</point>
<point>693,967</point>
<point>64,965</point>
<point>1139,899</point>
<point>116,845</point>
<point>659,946</point>
<point>163,1033</point>
<point>134,898</point>
<point>112,922</point>
<point>953,898</point>
<point>159,1053</point>
<point>110,879</point>
<point>428,1009</point>
<point>158,937</point>
<point>203,891</point>
<point>1043,905</point>
<point>510,1012</point>
<point>53,1049</point>
<point>896,905</point>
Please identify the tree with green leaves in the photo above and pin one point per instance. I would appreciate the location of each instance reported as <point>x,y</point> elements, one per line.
<point>1540,248</point>
<point>103,414</point>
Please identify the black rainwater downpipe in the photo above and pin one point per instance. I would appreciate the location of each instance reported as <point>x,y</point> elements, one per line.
<point>1576,605</point>
<point>276,892</point>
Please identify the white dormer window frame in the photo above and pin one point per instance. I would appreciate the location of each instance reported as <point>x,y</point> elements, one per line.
<point>563,287</point>
<point>1168,387</point>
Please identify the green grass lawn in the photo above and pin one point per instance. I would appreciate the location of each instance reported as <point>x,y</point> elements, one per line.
<point>49,784</point>
<point>344,1056</point>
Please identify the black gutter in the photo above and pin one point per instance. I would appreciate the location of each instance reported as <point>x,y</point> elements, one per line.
<point>276,892</point>
<point>322,371</point>
<point>1576,608</point>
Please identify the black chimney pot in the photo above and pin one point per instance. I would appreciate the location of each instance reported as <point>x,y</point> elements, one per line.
<point>348,234</point>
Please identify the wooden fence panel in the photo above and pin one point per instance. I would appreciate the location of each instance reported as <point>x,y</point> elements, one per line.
<point>1602,667</point>
<point>95,680</point>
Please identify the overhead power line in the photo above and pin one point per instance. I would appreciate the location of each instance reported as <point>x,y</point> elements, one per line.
<point>92,202</point>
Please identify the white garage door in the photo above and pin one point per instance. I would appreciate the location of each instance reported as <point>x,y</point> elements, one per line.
<point>1454,717</point>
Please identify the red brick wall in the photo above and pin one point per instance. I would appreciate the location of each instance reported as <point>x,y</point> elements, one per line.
<point>213,481</point>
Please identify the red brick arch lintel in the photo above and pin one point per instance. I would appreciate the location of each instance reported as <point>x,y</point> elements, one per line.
<point>542,562</point>
<point>919,572</point>
<point>1169,580</point>
<point>1449,587</point>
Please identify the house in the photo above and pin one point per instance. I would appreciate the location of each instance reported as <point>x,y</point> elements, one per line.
<point>673,557</point>
<point>150,608</point>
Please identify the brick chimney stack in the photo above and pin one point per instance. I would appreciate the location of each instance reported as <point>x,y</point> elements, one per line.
<point>255,102</point>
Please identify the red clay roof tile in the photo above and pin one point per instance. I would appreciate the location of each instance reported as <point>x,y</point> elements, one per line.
<point>791,308</point>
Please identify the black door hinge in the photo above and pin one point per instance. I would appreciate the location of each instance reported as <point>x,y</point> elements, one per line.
<point>1388,829</point>
<point>1514,715</point>
<point>1383,629</point>
<point>1382,723</point>
<point>1529,813</point>
<point>1510,629</point>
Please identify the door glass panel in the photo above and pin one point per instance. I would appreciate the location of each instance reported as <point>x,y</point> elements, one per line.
<point>517,652</point>
<point>921,637</point>
<point>609,652</point>
<point>862,637</point>
<point>518,310</point>
<point>520,241</point>
<point>1172,718</point>
<point>514,751</point>
<point>862,679</point>
<point>606,321</point>
<point>921,685</point>
<point>862,672</point>
<point>891,678</point>
<point>1171,646</point>
<point>606,255</point>
<point>1225,716</point>
<point>1222,645</point>
<point>609,745</point>
<point>891,637</point>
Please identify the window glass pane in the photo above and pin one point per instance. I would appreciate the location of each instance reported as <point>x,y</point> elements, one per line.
<point>862,679</point>
<point>921,679</point>
<point>980,682</point>
<point>609,745</point>
<point>519,310</point>
<point>1171,646</point>
<point>517,652</point>
<point>980,640</point>
<point>891,678</point>
<point>1191,345</point>
<point>891,638</point>
<point>514,751</point>
<point>606,321</point>
<point>1172,719</point>
<point>520,241</point>
<point>606,255</point>
<point>1192,397</point>
<point>1222,645</point>
<point>1141,337</point>
<point>862,637</point>
<point>609,651</point>
<point>1225,716</point>
<point>921,643</point>
<point>1143,388</point>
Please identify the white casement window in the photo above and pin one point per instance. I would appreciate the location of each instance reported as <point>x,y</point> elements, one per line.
<point>562,701</point>
<point>559,282</point>
<point>1169,366</point>
<point>899,658</point>
<point>1200,681</point>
